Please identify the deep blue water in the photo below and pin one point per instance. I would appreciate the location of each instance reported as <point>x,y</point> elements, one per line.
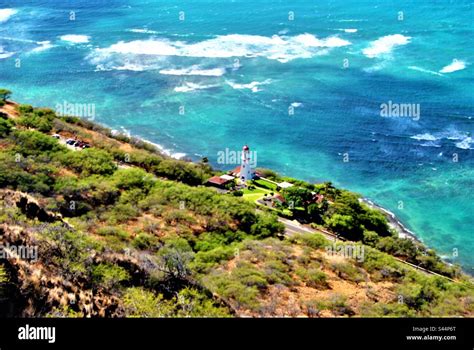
<point>238,67</point>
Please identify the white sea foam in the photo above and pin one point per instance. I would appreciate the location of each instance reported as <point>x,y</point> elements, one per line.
<point>43,45</point>
<point>423,70</point>
<point>464,140</point>
<point>385,45</point>
<point>454,66</point>
<point>75,38</point>
<point>143,31</point>
<point>175,155</point>
<point>194,70</point>
<point>352,20</point>
<point>5,14</point>
<point>132,67</point>
<point>430,144</point>
<point>188,87</point>
<point>465,144</point>
<point>349,30</point>
<point>5,54</point>
<point>279,48</point>
<point>425,137</point>
<point>296,104</point>
<point>253,86</point>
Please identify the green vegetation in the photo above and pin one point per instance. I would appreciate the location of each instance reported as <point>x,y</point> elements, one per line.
<point>89,162</point>
<point>5,94</point>
<point>123,230</point>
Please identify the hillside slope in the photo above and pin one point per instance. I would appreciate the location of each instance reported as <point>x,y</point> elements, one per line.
<point>118,229</point>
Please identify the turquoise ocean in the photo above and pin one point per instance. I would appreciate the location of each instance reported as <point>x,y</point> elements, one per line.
<point>300,82</point>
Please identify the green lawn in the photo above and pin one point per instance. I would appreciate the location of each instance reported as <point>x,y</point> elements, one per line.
<point>265,184</point>
<point>253,195</point>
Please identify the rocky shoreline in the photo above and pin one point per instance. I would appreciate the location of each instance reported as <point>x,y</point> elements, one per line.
<point>403,231</point>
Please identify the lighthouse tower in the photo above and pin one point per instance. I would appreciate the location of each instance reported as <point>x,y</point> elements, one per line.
<point>245,170</point>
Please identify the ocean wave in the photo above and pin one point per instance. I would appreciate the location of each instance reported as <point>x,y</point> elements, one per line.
<point>188,87</point>
<point>376,67</point>
<point>430,144</point>
<point>423,70</point>
<point>175,155</point>
<point>348,30</point>
<point>132,67</point>
<point>385,45</point>
<point>454,66</point>
<point>169,153</point>
<point>352,20</point>
<point>465,144</point>
<point>75,38</point>
<point>254,85</point>
<point>280,48</point>
<point>424,137</point>
<point>195,70</point>
<point>16,39</point>
<point>5,14</point>
<point>127,66</point>
<point>5,54</point>
<point>43,45</point>
<point>142,31</point>
<point>464,140</point>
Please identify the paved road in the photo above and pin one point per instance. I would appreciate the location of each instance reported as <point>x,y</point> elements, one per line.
<point>294,227</point>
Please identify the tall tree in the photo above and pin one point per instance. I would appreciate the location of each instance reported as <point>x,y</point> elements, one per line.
<point>5,94</point>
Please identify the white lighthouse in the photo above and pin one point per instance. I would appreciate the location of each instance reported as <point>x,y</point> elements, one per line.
<point>245,170</point>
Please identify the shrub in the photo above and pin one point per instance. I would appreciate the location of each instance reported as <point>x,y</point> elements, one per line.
<point>5,94</point>
<point>338,306</point>
<point>89,161</point>
<point>122,213</point>
<point>175,257</point>
<point>35,143</point>
<point>347,271</point>
<point>32,120</point>
<point>127,179</point>
<point>233,290</point>
<point>267,225</point>
<point>113,231</point>
<point>250,276</point>
<point>145,241</point>
<point>5,127</point>
<point>109,275</point>
<point>312,240</point>
<point>207,259</point>
<point>371,238</point>
<point>185,172</point>
<point>139,302</point>
<point>313,277</point>
<point>276,272</point>
<point>24,108</point>
<point>193,303</point>
<point>3,275</point>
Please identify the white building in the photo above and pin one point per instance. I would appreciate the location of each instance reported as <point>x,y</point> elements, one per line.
<point>245,169</point>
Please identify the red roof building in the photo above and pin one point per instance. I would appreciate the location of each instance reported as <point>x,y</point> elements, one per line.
<point>219,181</point>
